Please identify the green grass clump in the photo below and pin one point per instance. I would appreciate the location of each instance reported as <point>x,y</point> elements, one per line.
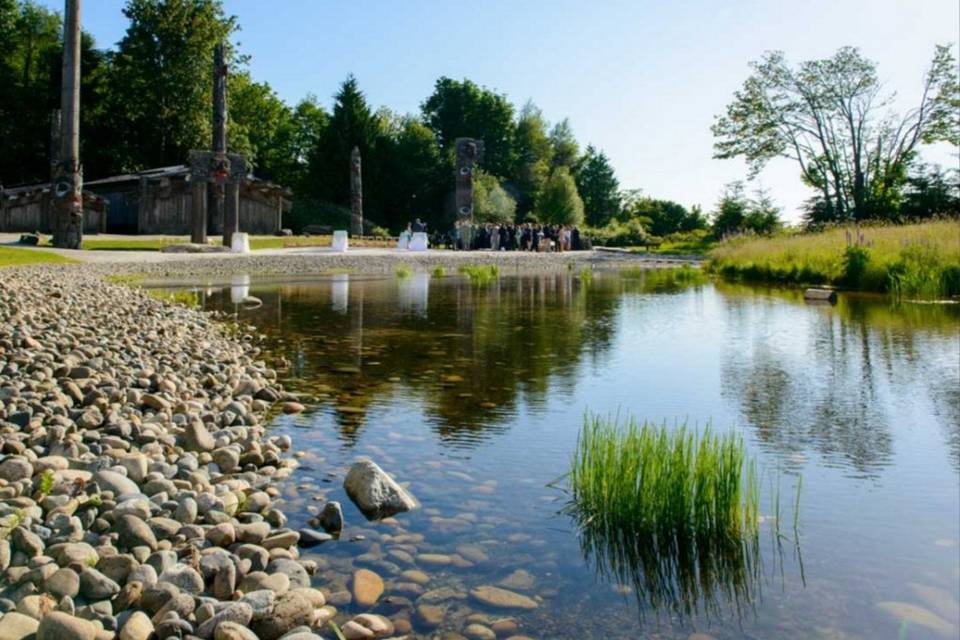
<point>481,274</point>
<point>914,261</point>
<point>404,271</point>
<point>672,485</point>
<point>12,257</point>
<point>185,297</point>
<point>438,271</point>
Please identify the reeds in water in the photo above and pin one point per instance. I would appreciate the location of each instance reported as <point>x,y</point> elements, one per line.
<point>404,271</point>
<point>661,482</point>
<point>481,274</point>
<point>673,513</point>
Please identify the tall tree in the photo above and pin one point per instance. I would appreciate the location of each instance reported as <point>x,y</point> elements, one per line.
<point>534,153</point>
<point>598,186</point>
<point>491,202</point>
<point>414,177</point>
<point>731,210</point>
<point>463,109</point>
<point>832,118</point>
<point>662,217</point>
<point>160,85</point>
<point>352,124</point>
<point>566,151</point>
<point>559,203</point>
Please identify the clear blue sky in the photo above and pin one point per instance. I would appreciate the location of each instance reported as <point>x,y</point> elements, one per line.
<point>641,79</point>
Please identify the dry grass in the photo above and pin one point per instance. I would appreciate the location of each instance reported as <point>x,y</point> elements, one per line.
<point>918,260</point>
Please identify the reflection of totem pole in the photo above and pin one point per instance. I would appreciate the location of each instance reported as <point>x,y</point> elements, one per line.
<point>356,194</point>
<point>469,152</point>
<point>67,187</point>
<point>221,170</point>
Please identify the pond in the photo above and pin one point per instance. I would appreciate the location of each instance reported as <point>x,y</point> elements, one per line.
<point>473,397</point>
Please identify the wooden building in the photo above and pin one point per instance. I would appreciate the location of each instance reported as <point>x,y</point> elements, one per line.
<point>30,208</point>
<point>158,201</point>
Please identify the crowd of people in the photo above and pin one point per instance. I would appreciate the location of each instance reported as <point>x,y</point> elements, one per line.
<point>471,236</point>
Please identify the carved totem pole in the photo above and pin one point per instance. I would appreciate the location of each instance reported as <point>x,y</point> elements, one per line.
<point>469,152</point>
<point>67,183</point>
<point>223,172</point>
<point>356,194</point>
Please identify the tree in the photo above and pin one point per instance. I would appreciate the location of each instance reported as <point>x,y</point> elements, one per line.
<point>598,186</point>
<point>763,215</point>
<point>352,124</point>
<point>261,126</point>
<point>491,203</point>
<point>566,151</point>
<point>930,192</point>
<point>414,178</point>
<point>463,109</point>
<point>731,210</point>
<point>559,202</point>
<point>161,89</point>
<point>832,118</point>
<point>662,217</point>
<point>534,153</point>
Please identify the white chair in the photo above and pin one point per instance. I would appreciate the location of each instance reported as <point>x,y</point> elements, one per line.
<point>340,241</point>
<point>419,241</point>
<point>239,243</point>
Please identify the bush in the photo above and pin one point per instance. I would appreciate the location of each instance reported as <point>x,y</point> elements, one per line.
<point>622,234</point>
<point>380,232</point>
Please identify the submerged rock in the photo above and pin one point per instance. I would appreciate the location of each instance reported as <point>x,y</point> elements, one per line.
<point>375,493</point>
<point>502,598</point>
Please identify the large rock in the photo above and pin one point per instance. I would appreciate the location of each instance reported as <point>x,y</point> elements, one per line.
<point>197,437</point>
<point>63,582</point>
<point>331,518</point>
<point>374,492</point>
<point>134,532</point>
<point>96,586</point>
<point>239,613</point>
<point>137,627</point>
<point>15,468</point>
<point>184,577</point>
<point>58,625</point>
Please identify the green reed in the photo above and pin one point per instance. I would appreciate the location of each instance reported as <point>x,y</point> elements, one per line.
<point>438,271</point>
<point>667,483</point>
<point>404,271</point>
<point>481,274</point>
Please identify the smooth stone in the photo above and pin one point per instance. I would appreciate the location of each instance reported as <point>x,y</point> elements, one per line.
<point>117,483</point>
<point>367,587</point>
<point>64,582</point>
<point>137,627</point>
<point>331,518</point>
<point>278,582</point>
<point>502,598</point>
<point>291,610</point>
<point>16,626</point>
<point>184,577</point>
<point>57,625</point>
<point>96,586</point>
<point>239,613</point>
<point>431,615</point>
<point>134,532</point>
<point>292,569</point>
<point>232,631</point>
<point>197,437</point>
<point>519,579</point>
<point>479,632</point>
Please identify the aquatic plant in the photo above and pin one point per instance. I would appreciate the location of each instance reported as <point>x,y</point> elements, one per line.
<point>664,280</point>
<point>481,274</point>
<point>404,271</point>
<point>438,271</point>
<point>671,512</point>
<point>586,275</point>
<point>671,484</point>
<point>185,297</point>
<point>633,272</point>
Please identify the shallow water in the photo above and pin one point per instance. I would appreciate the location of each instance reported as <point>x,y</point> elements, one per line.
<point>474,395</point>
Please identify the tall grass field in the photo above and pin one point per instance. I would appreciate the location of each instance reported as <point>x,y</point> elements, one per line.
<point>920,261</point>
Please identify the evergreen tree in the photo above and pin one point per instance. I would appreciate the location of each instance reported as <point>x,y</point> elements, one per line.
<point>566,151</point>
<point>598,186</point>
<point>534,154</point>
<point>731,210</point>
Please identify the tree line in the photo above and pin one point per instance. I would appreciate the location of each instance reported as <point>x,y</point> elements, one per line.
<point>147,102</point>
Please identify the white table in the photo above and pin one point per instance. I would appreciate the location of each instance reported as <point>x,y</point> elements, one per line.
<point>419,241</point>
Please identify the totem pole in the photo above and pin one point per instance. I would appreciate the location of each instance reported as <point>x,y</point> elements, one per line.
<point>356,194</point>
<point>223,171</point>
<point>469,152</point>
<point>67,185</point>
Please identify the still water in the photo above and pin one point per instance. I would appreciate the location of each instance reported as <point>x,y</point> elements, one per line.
<point>474,395</point>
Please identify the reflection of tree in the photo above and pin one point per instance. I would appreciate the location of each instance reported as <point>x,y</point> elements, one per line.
<point>471,353</point>
<point>824,382</point>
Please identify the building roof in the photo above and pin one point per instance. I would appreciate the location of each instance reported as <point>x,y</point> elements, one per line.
<point>179,171</point>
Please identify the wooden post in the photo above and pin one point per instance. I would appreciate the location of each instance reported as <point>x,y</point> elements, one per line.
<point>356,194</point>
<point>231,212</point>
<point>144,206</point>
<point>198,211</point>
<point>68,186</point>
<point>4,212</point>
<point>279,212</point>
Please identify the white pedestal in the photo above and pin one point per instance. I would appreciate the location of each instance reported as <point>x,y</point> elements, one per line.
<point>240,243</point>
<point>419,241</point>
<point>239,286</point>
<point>340,241</point>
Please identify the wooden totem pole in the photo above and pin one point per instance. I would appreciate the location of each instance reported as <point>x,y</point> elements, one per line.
<point>356,194</point>
<point>469,152</point>
<point>67,183</point>
<point>216,175</point>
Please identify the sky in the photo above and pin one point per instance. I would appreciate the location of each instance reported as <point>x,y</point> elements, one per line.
<point>640,79</point>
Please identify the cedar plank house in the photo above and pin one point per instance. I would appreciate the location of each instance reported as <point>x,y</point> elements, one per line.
<point>158,201</point>
<point>30,208</point>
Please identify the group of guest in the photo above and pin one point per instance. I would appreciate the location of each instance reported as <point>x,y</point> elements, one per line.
<point>469,236</point>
